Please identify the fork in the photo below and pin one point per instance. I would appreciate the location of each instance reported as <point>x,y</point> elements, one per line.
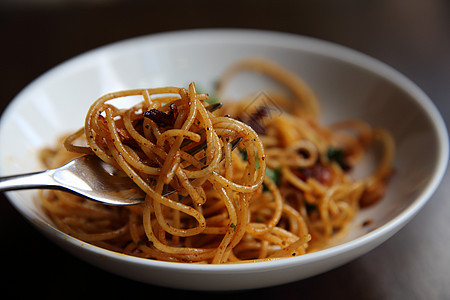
<point>86,176</point>
<point>90,177</point>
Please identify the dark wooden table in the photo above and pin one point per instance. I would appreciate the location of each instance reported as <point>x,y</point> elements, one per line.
<point>412,36</point>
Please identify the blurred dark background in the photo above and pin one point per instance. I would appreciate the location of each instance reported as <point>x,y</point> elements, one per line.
<point>412,36</point>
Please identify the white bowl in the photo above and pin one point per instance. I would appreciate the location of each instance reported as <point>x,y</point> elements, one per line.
<point>349,85</point>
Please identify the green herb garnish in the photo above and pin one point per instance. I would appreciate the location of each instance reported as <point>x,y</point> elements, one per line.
<point>338,155</point>
<point>275,175</point>
<point>212,98</point>
<point>244,154</point>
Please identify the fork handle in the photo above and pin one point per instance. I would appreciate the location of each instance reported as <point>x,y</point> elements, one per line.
<point>34,180</point>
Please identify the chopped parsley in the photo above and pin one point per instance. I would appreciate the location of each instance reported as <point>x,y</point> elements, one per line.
<point>212,98</point>
<point>338,155</point>
<point>244,154</point>
<point>275,175</point>
<point>245,157</point>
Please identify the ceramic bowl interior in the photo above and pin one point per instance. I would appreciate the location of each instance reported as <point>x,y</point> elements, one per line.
<point>348,84</point>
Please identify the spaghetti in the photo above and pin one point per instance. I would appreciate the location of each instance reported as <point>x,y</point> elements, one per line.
<point>284,192</point>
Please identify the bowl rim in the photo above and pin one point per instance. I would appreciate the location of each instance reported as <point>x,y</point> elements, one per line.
<point>264,38</point>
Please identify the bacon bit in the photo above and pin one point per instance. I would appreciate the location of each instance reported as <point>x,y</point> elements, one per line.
<point>317,171</point>
<point>372,194</point>
<point>161,118</point>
